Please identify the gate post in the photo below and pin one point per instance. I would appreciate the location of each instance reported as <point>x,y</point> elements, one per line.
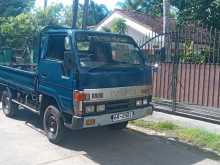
<point>175,63</point>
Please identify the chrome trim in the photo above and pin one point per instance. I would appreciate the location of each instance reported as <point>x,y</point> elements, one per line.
<point>119,93</point>
<point>25,106</point>
<point>105,119</point>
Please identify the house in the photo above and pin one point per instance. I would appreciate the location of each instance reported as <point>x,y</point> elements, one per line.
<point>139,25</point>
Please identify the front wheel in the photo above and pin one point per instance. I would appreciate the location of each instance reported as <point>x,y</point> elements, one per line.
<point>9,108</point>
<point>119,126</point>
<point>53,124</point>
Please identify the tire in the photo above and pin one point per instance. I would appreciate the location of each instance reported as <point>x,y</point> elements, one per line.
<point>53,124</point>
<point>119,126</point>
<point>9,108</point>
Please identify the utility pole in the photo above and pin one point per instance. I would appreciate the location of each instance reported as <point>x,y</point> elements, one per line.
<point>45,13</point>
<point>166,16</point>
<point>166,30</point>
<point>45,4</point>
<point>75,13</point>
<point>85,14</point>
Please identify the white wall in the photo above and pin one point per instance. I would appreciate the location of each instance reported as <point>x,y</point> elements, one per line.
<point>135,30</point>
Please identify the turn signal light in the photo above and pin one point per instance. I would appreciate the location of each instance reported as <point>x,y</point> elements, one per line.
<point>80,96</point>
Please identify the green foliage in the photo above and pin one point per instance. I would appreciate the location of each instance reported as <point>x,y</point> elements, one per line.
<point>19,30</point>
<point>53,15</point>
<point>160,126</point>
<point>14,7</point>
<point>198,137</point>
<point>191,55</point>
<point>151,7</point>
<point>14,29</point>
<point>131,4</point>
<point>204,11</point>
<point>96,13</point>
<point>119,26</point>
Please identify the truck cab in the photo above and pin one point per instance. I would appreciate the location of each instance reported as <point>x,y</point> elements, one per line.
<point>84,79</point>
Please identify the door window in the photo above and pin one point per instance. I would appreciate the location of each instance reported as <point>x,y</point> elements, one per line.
<point>56,47</point>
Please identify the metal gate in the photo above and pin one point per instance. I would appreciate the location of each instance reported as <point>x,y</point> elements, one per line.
<point>187,81</point>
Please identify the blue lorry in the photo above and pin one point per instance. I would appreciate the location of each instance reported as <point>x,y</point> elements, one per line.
<point>82,79</point>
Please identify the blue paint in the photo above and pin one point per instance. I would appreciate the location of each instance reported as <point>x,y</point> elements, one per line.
<point>49,78</point>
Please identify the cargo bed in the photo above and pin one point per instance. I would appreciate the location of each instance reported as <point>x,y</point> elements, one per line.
<point>19,76</point>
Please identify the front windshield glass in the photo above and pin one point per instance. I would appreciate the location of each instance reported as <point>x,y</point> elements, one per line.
<point>95,51</point>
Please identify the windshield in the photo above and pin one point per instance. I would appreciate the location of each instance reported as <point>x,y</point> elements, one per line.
<point>95,51</point>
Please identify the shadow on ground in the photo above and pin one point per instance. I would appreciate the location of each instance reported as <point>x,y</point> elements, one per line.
<point>125,147</point>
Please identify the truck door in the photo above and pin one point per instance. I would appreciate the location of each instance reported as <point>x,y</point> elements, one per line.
<point>53,80</point>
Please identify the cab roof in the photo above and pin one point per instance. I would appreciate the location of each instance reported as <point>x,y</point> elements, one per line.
<point>61,29</point>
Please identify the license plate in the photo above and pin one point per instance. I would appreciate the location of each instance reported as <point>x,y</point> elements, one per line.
<point>122,116</point>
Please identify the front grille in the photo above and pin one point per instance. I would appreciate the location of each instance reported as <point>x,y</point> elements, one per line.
<point>121,105</point>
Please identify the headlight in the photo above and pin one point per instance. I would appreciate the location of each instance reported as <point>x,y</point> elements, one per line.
<point>90,109</point>
<point>100,108</point>
<point>139,103</point>
<point>145,102</point>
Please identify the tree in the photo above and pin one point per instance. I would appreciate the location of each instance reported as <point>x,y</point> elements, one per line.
<point>206,12</point>
<point>16,29</point>
<point>96,13</point>
<point>119,26</point>
<point>131,4</point>
<point>150,7</point>
<point>14,7</point>
<point>52,15</point>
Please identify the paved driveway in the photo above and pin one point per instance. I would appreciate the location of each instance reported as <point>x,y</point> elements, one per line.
<point>23,143</point>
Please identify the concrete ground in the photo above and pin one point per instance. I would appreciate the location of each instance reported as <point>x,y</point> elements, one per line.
<point>185,122</point>
<point>23,143</point>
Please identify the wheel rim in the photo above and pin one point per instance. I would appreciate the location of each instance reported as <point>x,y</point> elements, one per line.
<point>6,104</point>
<point>51,124</point>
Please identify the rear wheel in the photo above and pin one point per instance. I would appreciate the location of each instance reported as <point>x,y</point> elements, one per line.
<point>9,108</point>
<point>53,124</point>
<point>119,126</point>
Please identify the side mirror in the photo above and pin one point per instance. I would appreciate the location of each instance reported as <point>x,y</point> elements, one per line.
<point>67,44</point>
<point>68,62</point>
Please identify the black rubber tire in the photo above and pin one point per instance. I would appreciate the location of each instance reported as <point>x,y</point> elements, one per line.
<point>8,107</point>
<point>119,126</point>
<point>53,112</point>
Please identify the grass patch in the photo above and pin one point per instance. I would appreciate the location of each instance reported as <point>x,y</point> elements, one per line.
<point>160,126</point>
<point>198,137</point>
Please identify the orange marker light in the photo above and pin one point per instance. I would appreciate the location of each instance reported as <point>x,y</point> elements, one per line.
<point>79,96</point>
<point>90,122</point>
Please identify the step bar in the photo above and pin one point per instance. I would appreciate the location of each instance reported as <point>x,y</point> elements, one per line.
<point>26,107</point>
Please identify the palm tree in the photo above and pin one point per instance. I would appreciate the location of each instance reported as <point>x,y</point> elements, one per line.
<point>131,4</point>
<point>119,26</point>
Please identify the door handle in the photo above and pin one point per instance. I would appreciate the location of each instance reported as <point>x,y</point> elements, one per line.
<point>44,75</point>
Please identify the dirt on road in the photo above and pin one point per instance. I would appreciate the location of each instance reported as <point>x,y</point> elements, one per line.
<point>22,142</point>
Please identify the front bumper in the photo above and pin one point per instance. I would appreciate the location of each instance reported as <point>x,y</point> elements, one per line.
<point>103,120</point>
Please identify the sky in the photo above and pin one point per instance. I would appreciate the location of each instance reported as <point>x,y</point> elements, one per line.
<point>109,3</point>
